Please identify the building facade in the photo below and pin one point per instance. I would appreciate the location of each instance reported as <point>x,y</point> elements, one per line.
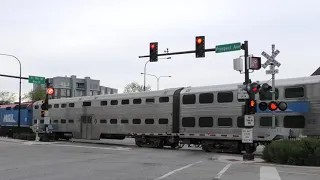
<point>74,87</point>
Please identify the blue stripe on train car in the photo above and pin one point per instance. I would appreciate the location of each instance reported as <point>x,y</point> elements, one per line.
<point>293,106</point>
<point>10,117</point>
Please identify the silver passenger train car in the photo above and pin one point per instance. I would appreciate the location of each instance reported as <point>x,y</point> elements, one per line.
<point>208,116</point>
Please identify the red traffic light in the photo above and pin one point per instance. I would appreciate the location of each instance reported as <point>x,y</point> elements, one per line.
<point>252,103</point>
<point>152,46</point>
<point>273,106</point>
<point>50,91</point>
<point>199,40</point>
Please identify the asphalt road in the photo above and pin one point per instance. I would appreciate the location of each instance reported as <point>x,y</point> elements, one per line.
<point>20,160</point>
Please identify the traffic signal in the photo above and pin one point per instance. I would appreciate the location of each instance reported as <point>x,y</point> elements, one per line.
<point>273,106</point>
<point>42,113</point>
<point>200,46</point>
<point>265,87</point>
<point>50,91</point>
<point>44,105</point>
<point>263,106</point>
<point>252,107</point>
<point>253,88</point>
<point>154,52</point>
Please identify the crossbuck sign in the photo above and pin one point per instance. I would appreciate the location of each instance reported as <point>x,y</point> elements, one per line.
<point>271,61</point>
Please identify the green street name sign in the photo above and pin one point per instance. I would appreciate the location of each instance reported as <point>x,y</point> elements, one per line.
<point>37,80</point>
<point>228,47</point>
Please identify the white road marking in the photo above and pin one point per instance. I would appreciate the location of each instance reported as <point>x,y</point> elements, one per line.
<point>300,173</point>
<point>222,171</point>
<point>93,147</point>
<point>269,173</point>
<point>174,171</point>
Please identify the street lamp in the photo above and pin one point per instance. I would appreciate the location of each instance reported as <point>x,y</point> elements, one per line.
<point>158,78</point>
<point>145,71</point>
<point>19,90</point>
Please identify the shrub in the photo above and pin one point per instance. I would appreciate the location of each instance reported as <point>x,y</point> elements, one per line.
<point>300,152</point>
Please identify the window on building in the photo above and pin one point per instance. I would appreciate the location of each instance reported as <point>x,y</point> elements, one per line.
<point>41,121</point>
<point>206,98</point>
<point>103,121</point>
<point>189,99</point>
<point>163,121</point>
<point>225,97</point>
<point>71,121</point>
<point>294,92</point>
<point>136,121</point>
<point>63,121</point>
<point>205,122</point>
<point>56,106</point>
<point>188,122</point>
<point>71,104</point>
<point>225,122</point>
<point>63,92</point>
<point>149,121</point>
<point>63,105</point>
<point>163,99</point>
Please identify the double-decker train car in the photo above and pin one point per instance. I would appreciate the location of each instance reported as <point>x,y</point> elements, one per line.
<point>209,116</point>
<point>9,119</point>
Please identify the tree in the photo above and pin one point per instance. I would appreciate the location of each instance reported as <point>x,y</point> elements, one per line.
<point>135,87</point>
<point>35,95</point>
<point>7,98</point>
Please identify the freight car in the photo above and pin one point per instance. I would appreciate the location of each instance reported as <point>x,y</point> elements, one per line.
<point>9,119</point>
<point>209,116</point>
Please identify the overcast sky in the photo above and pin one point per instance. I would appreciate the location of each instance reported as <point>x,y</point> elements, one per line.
<point>103,39</point>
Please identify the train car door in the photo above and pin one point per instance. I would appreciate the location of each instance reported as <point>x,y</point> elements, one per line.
<point>86,127</point>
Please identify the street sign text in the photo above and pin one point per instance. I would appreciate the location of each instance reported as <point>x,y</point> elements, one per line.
<point>228,47</point>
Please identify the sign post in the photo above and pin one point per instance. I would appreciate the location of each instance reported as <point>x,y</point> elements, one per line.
<point>271,61</point>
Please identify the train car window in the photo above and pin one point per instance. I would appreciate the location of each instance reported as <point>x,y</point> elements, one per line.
<point>294,92</point>
<point>206,98</point>
<point>50,106</point>
<point>36,107</point>
<point>150,100</point>
<point>294,121</point>
<point>267,121</point>
<point>114,102</point>
<point>41,121</point>
<point>35,121</point>
<point>113,121</point>
<point>205,122</point>
<point>86,103</point>
<point>136,121</point>
<point>71,121</point>
<point>267,96</point>
<point>224,121</point>
<point>124,121</point>
<point>8,108</point>
<point>63,105</point>
<point>71,104</point>
<point>104,103</point>
<point>188,122</point>
<point>55,121</point>
<point>225,97</point>
<point>56,105</point>
<point>189,99</point>
<point>163,99</point>
<point>240,122</point>
<point>125,101</point>
<point>163,121</point>
<point>136,101</point>
<point>103,121</point>
<point>63,121</point>
<point>149,121</point>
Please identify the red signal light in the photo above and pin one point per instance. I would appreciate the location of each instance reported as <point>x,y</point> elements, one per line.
<point>252,103</point>
<point>199,40</point>
<point>273,106</point>
<point>152,46</point>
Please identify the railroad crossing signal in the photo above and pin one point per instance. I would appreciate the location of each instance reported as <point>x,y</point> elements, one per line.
<point>271,61</point>
<point>252,108</point>
<point>200,46</point>
<point>254,63</point>
<point>154,52</point>
<point>50,91</point>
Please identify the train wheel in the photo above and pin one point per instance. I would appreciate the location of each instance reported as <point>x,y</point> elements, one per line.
<point>173,146</point>
<point>139,142</point>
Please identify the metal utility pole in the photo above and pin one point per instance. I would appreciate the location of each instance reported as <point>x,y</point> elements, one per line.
<point>144,77</point>
<point>19,109</point>
<point>273,63</point>
<point>158,78</point>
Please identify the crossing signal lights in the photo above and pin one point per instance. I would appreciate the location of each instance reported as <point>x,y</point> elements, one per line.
<point>282,106</point>
<point>263,106</point>
<point>273,106</point>
<point>200,46</point>
<point>252,106</point>
<point>42,113</point>
<point>50,91</point>
<point>154,52</point>
<point>253,88</point>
